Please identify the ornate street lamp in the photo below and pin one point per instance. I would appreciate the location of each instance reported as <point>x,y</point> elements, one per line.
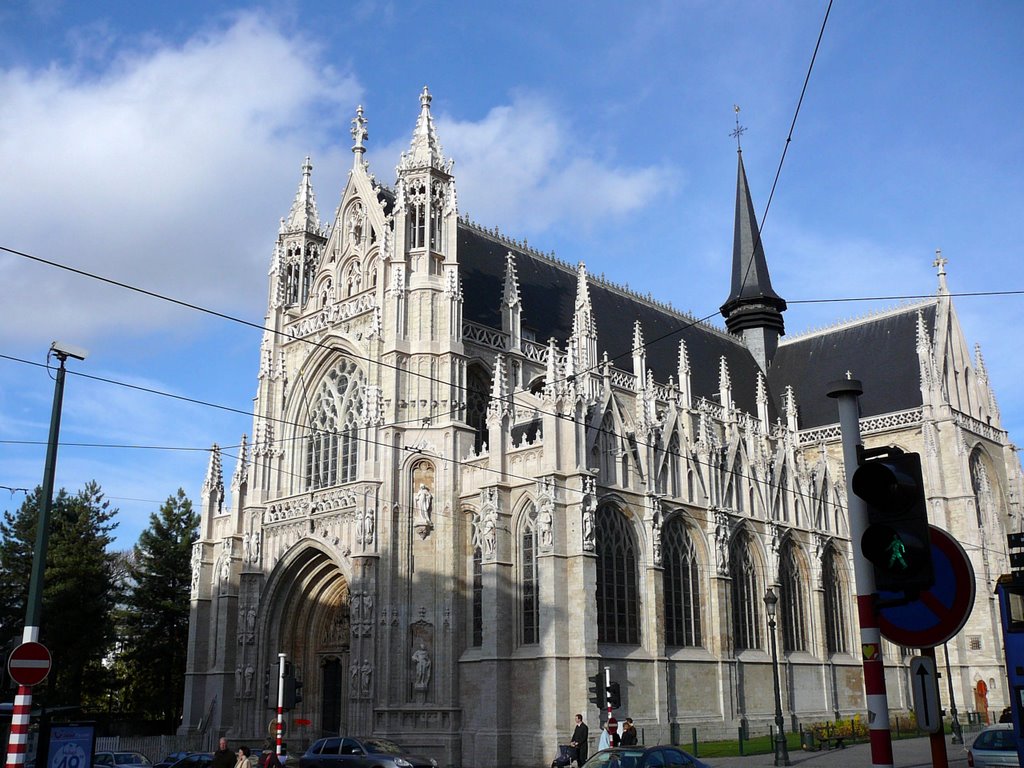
<point>771,602</point>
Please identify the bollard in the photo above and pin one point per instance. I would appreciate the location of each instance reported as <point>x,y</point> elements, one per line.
<point>695,742</point>
<point>740,729</point>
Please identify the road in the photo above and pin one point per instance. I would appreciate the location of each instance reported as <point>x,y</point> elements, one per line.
<point>907,753</point>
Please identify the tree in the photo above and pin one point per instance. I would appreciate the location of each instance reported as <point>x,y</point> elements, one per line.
<point>77,587</point>
<point>156,620</point>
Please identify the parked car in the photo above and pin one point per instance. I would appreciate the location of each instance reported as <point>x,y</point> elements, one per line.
<point>644,757</point>
<point>994,747</point>
<point>194,760</point>
<point>171,759</point>
<point>121,759</point>
<point>349,752</point>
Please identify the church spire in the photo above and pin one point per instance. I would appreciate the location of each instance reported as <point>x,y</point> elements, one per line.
<point>304,216</point>
<point>425,149</point>
<point>753,309</point>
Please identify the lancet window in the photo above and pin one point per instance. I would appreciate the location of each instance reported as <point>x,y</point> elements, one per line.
<point>417,214</point>
<point>437,190</point>
<point>477,396</point>
<point>792,600</point>
<point>618,619</point>
<point>747,595</point>
<point>834,584</point>
<point>529,585</point>
<point>332,445</point>
<point>478,597</point>
<point>682,586</point>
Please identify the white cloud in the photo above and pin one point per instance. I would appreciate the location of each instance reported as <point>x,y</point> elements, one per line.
<point>522,166</point>
<point>166,171</point>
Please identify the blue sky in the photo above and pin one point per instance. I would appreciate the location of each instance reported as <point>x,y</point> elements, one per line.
<point>159,144</point>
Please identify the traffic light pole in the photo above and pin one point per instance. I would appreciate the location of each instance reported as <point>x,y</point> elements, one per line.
<point>607,685</point>
<point>846,392</point>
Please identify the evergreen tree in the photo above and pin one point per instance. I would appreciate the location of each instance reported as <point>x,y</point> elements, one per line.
<point>79,595</point>
<point>156,619</point>
<point>77,588</point>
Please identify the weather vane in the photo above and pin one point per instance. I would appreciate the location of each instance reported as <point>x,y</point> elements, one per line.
<point>740,130</point>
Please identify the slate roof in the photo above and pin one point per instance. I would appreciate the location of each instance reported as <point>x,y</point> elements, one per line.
<point>548,292</point>
<point>880,351</point>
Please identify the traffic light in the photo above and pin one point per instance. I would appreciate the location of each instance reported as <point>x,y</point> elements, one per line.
<point>289,691</point>
<point>597,689</point>
<point>896,540</point>
<point>297,691</point>
<point>614,699</point>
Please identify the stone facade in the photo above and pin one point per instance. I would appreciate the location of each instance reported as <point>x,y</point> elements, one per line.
<point>449,523</point>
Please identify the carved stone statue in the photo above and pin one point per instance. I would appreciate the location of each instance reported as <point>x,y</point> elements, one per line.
<point>488,531</point>
<point>424,501</point>
<point>421,658</point>
<point>366,671</point>
<point>588,527</point>
<point>250,671</point>
<point>545,521</point>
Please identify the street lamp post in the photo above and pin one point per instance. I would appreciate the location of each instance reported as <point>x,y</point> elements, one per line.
<point>771,602</point>
<point>955,727</point>
<point>21,714</point>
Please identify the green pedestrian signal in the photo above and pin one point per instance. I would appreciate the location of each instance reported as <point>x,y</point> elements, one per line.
<point>896,540</point>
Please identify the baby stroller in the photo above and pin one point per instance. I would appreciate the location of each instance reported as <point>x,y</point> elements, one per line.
<point>566,755</point>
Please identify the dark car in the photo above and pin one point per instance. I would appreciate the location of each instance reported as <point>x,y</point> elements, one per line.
<point>349,752</point>
<point>171,759</point>
<point>121,759</point>
<point>194,760</point>
<point>644,757</point>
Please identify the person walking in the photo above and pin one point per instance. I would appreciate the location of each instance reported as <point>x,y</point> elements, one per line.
<point>628,738</point>
<point>579,740</point>
<point>242,758</point>
<point>223,757</point>
<point>610,735</point>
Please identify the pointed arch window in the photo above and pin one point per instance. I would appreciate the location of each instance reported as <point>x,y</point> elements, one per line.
<point>529,585</point>
<point>332,447</point>
<point>437,191</point>
<point>478,597</point>
<point>618,610</point>
<point>981,487</point>
<point>417,215</point>
<point>682,586</point>
<point>608,449</point>
<point>746,595</point>
<point>477,397</point>
<point>792,600</point>
<point>835,604</point>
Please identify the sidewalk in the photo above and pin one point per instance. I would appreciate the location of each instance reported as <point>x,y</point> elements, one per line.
<point>907,753</point>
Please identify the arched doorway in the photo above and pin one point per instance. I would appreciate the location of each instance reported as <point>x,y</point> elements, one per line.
<point>310,621</point>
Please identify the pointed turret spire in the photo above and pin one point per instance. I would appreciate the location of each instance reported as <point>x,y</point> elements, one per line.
<point>639,355</point>
<point>304,216</point>
<point>753,309</point>
<point>510,291</point>
<point>500,405</point>
<point>511,307</point>
<point>583,326</point>
<point>425,149</point>
<point>683,369</point>
<point>213,484</point>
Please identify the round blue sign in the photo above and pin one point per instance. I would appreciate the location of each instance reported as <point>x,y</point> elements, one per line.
<point>940,612</point>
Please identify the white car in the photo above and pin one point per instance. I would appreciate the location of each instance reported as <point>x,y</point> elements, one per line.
<point>994,747</point>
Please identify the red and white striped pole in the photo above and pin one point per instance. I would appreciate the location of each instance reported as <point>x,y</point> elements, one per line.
<point>20,720</point>
<point>280,700</point>
<point>846,392</point>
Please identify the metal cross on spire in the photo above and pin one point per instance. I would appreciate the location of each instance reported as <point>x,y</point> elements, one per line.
<point>740,130</point>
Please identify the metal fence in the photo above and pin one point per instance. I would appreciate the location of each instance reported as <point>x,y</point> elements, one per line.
<point>156,747</point>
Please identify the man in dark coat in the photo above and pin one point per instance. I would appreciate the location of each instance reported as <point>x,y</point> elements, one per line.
<point>579,740</point>
<point>223,757</point>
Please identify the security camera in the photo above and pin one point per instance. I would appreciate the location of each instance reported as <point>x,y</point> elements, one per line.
<point>65,351</point>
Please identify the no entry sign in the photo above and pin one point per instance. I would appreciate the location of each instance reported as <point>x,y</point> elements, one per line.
<point>29,664</point>
<point>940,612</point>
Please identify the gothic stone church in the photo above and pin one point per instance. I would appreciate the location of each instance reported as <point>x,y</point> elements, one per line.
<point>471,485</point>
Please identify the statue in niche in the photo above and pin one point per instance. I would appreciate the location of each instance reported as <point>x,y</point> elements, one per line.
<point>366,671</point>
<point>239,681</point>
<point>421,658</point>
<point>424,501</point>
<point>588,527</point>
<point>545,521</point>
<point>250,671</point>
<point>353,671</point>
